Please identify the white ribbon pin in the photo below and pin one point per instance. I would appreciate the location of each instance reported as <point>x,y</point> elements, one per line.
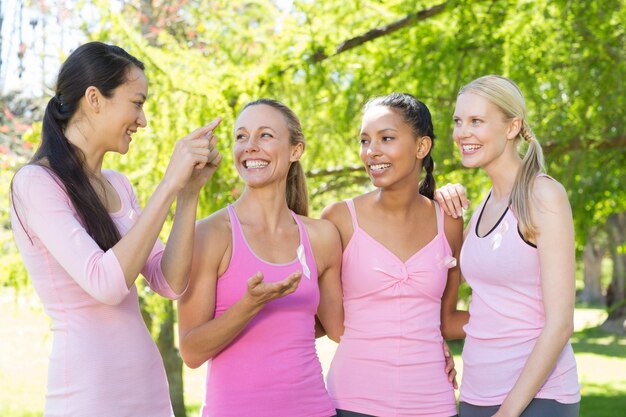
<point>302,259</point>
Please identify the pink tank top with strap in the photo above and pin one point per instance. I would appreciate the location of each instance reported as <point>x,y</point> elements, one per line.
<point>390,359</point>
<point>506,316</point>
<point>271,368</point>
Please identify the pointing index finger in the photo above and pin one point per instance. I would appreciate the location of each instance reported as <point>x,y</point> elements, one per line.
<point>206,130</point>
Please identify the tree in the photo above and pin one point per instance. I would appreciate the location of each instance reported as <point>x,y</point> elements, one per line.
<point>592,256</point>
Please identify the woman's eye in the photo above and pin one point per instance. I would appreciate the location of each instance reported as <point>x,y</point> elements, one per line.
<point>240,137</point>
<point>387,138</point>
<point>266,135</point>
<point>364,141</point>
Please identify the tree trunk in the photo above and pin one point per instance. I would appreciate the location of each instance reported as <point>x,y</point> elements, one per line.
<point>592,265</point>
<point>171,359</point>
<point>616,293</point>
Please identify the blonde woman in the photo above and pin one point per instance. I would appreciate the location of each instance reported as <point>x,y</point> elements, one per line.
<point>518,257</point>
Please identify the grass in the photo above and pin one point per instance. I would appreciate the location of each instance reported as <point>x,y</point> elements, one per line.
<point>25,345</point>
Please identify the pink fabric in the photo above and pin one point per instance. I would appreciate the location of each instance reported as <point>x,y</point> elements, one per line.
<point>103,360</point>
<point>390,359</point>
<point>506,317</point>
<point>271,369</point>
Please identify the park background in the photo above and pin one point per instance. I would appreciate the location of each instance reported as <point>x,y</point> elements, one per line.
<point>324,59</point>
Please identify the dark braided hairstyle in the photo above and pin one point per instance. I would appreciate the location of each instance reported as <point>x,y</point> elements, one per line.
<point>415,114</point>
<point>105,67</point>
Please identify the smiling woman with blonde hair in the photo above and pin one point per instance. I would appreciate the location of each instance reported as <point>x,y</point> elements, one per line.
<point>261,273</point>
<point>518,257</point>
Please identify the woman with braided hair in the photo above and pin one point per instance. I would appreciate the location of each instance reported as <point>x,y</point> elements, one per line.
<point>85,240</point>
<point>399,274</point>
<point>518,257</point>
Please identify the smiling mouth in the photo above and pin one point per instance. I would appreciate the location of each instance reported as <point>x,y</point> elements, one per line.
<point>470,148</point>
<point>379,167</point>
<point>253,164</point>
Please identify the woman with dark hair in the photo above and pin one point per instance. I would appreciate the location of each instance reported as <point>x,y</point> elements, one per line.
<point>399,274</point>
<point>261,272</point>
<point>85,240</point>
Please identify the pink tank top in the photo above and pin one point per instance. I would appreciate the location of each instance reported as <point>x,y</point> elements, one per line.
<point>506,316</point>
<point>390,359</point>
<point>271,368</point>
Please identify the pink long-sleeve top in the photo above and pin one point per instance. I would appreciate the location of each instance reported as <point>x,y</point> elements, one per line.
<point>103,360</point>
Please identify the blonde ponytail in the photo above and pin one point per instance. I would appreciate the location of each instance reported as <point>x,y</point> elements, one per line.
<point>532,165</point>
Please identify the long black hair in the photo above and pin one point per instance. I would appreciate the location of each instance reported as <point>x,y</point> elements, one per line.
<point>94,64</point>
<point>415,114</point>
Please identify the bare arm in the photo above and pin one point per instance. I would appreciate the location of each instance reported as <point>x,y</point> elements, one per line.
<point>552,216</point>
<point>327,246</point>
<point>133,249</point>
<point>453,320</point>
<point>176,260</point>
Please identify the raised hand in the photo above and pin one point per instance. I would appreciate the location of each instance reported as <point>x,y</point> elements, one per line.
<point>260,293</point>
<point>196,151</point>
<point>203,172</point>
<point>453,199</point>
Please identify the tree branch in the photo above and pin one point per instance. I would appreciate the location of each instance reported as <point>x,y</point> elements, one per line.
<point>578,144</point>
<point>408,20</point>
<point>336,184</point>
<point>347,169</point>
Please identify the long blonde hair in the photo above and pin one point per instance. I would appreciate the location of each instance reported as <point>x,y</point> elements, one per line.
<point>506,95</point>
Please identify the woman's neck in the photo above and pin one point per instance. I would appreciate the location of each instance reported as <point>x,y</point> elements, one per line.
<point>78,136</point>
<point>502,171</point>
<point>263,206</point>
<point>398,199</point>
<point>503,175</point>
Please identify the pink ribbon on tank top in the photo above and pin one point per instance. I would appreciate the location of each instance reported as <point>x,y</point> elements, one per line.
<point>302,258</point>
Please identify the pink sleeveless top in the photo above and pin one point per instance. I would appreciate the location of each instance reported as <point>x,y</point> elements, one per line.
<point>506,316</point>
<point>271,368</point>
<point>390,359</point>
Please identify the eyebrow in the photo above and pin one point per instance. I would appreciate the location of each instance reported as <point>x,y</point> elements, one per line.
<point>259,128</point>
<point>471,116</point>
<point>142,95</point>
<point>381,131</point>
<point>266,127</point>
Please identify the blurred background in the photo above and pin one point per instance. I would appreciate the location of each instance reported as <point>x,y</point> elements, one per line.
<point>324,59</point>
